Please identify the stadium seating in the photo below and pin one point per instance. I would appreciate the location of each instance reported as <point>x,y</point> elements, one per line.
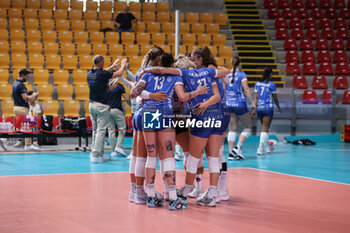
<point>50,107</point>
<point>299,82</point>
<point>346,97</point>
<point>340,82</point>
<point>7,108</point>
<point>64,92</point>
<point>319,82</point>
<point>309,97</point>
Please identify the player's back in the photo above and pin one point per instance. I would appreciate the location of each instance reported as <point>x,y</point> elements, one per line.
<point>235,92</point>
<point>264,90</point>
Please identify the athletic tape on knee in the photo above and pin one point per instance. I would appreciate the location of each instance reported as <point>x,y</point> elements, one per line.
<point>231,136</point>
<point>213,164</point>
<point>151,162</point>
<point>185,157</point>
<point>200,163</point>
<point>132,165</point>
<point>140,166</point>
<point>246,132</point>
<point>192,164</point>
<point>169,164</point>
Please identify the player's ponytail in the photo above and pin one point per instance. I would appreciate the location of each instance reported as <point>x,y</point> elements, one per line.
<point>152,55</point>
<point>235,63</point>
<point>266,75</point>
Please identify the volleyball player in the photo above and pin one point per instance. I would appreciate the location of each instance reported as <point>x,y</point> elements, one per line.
<point>265,98</point>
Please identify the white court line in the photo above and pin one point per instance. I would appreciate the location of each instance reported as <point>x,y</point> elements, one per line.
<point>286,174</point>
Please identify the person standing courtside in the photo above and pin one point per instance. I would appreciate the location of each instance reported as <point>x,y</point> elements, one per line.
<point>99,81</point>
<point>117,117</point>
<point>21,106</point>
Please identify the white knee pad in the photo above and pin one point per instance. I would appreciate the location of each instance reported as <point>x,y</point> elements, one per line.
<point>222,158</point>
<point>161,167</point>
<point>231,136</point>
<point>246,132</point>
<point>169,164</point>
<point>132,165</point>
<point>151,162</point>
<point>213,164</point>
<point>200,163</point>
<point>192,164</point>
<point>140,167</point>
<point>186,154</point>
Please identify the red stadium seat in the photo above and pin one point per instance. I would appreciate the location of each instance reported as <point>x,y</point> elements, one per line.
<point>299,82</point>
<point>302,13</point>
<point>339,4</point>
<point>283,3</point>
<point>340,82</point>
<point>295,23</point>
<point>346,97</point>
<point>309,68</point>
<point>310,23</point>
<point>297,4</point>
<point>331,13</point>
<point>290,44</point>
<point>321,44</point>
<point>288,13</point>
<point>344,13</point>
<point>337,43</point>
<point>327,33</point>
<point>342,33</point>
<point>281,34</point>
<point>273,13</point>
<point>325,68</point>
<point>342,68</point>
<point>327,97</point>
<point>340,56</point>
<point>305,44</point>
<point>316,12</point>
<point>292,68</point>
<point>319,82</point>
<point>309,97</point>
<point>325,4</point>
<point>297,33</point>
<point>269,4</point>
<point>325,23</point>
<point>311,4</point>
<point>292,56</point>
<point>308,56</point>
<point>280,23</point>
<point>339,23</point>
<point>323,55</point>
<point>312,33</point>
<point>348,45</point>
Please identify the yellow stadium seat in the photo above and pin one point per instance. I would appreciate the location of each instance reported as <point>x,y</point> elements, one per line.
<point>62,4</point>
<point>167,48</point>
<point>49,36</point>
<point>219,39</point>
<point>45,14</point>
<point>82,92</point>
<point>137,14</point>
<point>18,4</point>
<point>100,49</point>
<point>81,37</point>
<point>14,13</point>
<point>134,60</point>
<point>105,15</point>
<point>96,37</point>
<point>182,17</point>
<point>34,4</point>
<point>163,7</point>
<point>220,61</point>
<point>60,14</point>
<point>45,91</point>
<point>4,60</point>
<point>65,36</point>
<point>6,91</point>
<point>115,49</point>
<point>112,37</point>
<point>128,37</point>
<point>5,4</point>
<point>4,46</point>
<point>47,25</point>
<point>67,48</point>
<point>77,5</point>
<point>107,60</point>
<point>86,108</point>
<point>17,34</point>
<point>106,6</point>
<point>83,49</point>
<point>158,38</point>
<point>51,48</point>
<point>75,15</point>
<point>198,28</point>
<point>19,60</point>
<point>86,63</point>
<point>7,108</point>
<point>153,27</point>
<point>220,18</point>
<point>145,48</point>
<point>41,76</point>
<point>15,23</point>
<point>170,37</point>
<point>69,61</point>
<point>93,25</point>
<point>64,92</point>
<point>135,6</point>
<point>139,27</point>
<point>168,27</point>
<point>48,4</point>
<point>50,107</point>
<point>71,107</point>
<point>90,15</point>
<point>204,39</point>
<point>107,24</point>
<point>60,76</point>
<point>225,51</point>
<point>53,61</point>
<point>206,18</point>
<point>36,61</point>
<point>91,5</point>
<point>118,6</point>
<point>31,24</point>
<point>62,25</point>
<point>188,39</point>
<point>78,26</point>
<point>143,38</point>
<point>149,6</point>
<point>192,17</point>
<point>182,50</point>
<point>212,28</point>
<point>184,28</point>
<point>3,22</point>
<point>29,13</point>
<point>163,17</point>
<point>3,13</point>
<point>131,50</point>
<point>80,76</point>
<point>4,76</point>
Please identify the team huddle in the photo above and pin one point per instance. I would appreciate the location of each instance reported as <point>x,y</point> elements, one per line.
<point>190,102</point>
